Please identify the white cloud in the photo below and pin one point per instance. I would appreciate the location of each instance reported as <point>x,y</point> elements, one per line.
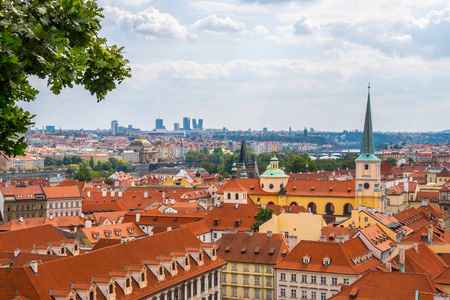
<point>215,24</point>
<point>260,29</point>
<point>303,26</point>
<point>227,7</point>
<point>150,23</point>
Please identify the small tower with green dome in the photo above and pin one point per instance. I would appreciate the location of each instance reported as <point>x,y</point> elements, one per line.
<point>273,177</point>
<point>234,171</point>
<point>243,172</point>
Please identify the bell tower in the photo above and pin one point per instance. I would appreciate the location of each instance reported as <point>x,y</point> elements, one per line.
<point>368,167</point>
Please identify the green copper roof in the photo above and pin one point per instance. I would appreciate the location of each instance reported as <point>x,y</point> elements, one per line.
<point>367,148</point>
<point>274,158</point>
<point>274,173</point>
<point>244,172</point>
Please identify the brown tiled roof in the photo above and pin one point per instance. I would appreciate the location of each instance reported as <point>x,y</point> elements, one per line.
<point>412,218</point>
<point>115,231</point>
<point>440,236</point>
<point>444,173</point>
<point>257,248</point>
<point>102,243</point>
<point>424,260</point>
<point>54,192</point>
<point>388,286</point>
<point>377,237</point>
<point>26,238</point>
<point>430,195</point>
<point>22,193</point>
<point>341,254</point>
<point>386,168</point>
<point>80,269</point>
<point>328,231</point>
<point>198,227</point>
<point>156,218</point>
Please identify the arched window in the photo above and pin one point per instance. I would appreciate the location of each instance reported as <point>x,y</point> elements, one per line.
<point>348,209</point>
<point>236,196</point>
<point>293,204</point>
<point>312,207</point>
<point>270,203</point>
<point>329,209</point>
<point>229,196</point>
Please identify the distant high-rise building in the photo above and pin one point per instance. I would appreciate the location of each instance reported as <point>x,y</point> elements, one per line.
<point>176,126</point>
<point>114,127</point>
<point>49,128</point>
<point>200,124</point>
<point>305,131</point>
<point>194,124</point>
<point>265,130</point>
<point>186,123</point>
<point>311,130</point>
<point>290,129</point>
<point>159,124</point>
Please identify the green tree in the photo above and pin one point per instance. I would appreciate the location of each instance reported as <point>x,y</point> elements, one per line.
<point>392,161</point>
<point>193,157</point>
<point>263,215</point>
<point>83,173</point>
<point>91,162</point>
<point>55,40</point>
<point>72,167</point>
<point>209,167</point>
<point>75,160</point>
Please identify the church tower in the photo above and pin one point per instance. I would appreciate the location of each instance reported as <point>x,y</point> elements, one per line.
<point>368,177</point>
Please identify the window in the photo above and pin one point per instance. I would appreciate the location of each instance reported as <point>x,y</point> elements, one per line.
<point>294,277</point>
<point>127,283</point>
<point>257,270</point>
<point>283,276</point>
<point>215,235</point>
<point>257,280</point>
<point>234,292</point>
<point>313,279</point>
<point>229,196</point>
<point>236,196</point>
<point>304,294</point>
<point>366,219</point>
<point>91,295</point>
<point>366,167</point>
<point>293,293</point>
<point>323,296</point>
<point>304,278</point>
<point>233,279</point>
<point>246,293</point>
<point>142,277</point>
<point>334,281</point>
<point>323,280</point>
<point>257,294</point>
<point>234,267</point>
<point>268,269</point>
<point>245,279</point>
<point>269,281</point>
<point>224,277</point>
<point>223,289</point>
<point>245,268</point>
<point>111,289</point>
<point>346,281</point>
<point>283,292</point>
<point>270,186</point>
<point>313,295</point>
<point>268,295</point>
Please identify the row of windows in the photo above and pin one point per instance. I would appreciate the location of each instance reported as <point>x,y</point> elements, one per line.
<point>257,268</point>
<point>25,207</point>
<point>256,293</point>
<point>257,280</point>
<point>25,216</point>
<point>65,214</point>
<point>313,279</point>
<point>64,204</point>
<point>304,294</point>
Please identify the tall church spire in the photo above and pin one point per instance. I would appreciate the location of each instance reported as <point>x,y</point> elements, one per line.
<point>367,148</point>
<point>243,156</point>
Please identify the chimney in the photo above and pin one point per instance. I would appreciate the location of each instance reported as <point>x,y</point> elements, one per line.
<point>249,233</point>
<point>21,219</point>
<point>123,239</point>
<point>16,252</point>
<point>51,217</point>
<point>322,239</point>
<point>163,194</point>
<point>430,234</point>
<point>103,193</point>
<point>346,237</point>
<point>388,267</point>
<point>88,224</point>
<point>89,194</point>
<point>401,256</point>
<point>169,228</point>
<point>138,218</point>
<point>441,223</point>
<point>82,215</point>
<point>145,194</point>
<point>269,234</point>
<point>119,193</point>
<point>236,206</point>
<point>416,247</point>
<point>172,201</point>
<point>34,266</point>
<point>263,206</point>
<point>425,202</point>
<point>113,193</point>
<point>292,242</point>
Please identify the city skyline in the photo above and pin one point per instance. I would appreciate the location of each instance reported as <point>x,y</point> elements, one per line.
<point>255,64</point>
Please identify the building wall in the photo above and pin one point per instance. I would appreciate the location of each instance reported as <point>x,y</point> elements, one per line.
<point>238,281</point>
<point>64,207</point>
<point>25,209</point>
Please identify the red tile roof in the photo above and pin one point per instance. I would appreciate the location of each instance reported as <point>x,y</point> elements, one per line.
<point>342,257</point>
<point>54,192</point>
<point>258,248</point>
<point>26,238</point>
<point>388,286</point>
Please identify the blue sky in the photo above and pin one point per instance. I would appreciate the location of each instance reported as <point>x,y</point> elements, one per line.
<point>253,64</point>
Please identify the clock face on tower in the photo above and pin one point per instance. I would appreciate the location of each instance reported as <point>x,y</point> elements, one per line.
<point>366,185</point>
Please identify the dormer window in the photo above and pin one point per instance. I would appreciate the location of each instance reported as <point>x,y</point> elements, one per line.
<point>131,230</point>
<point>62,250</point>
<point>186,261</point>
<point>326,261</point>
<point>142,276</point>
<point>173,266</point>
<point>160,271</point>
<point>111,289</point>
<point>200,256</point>
<point>213,252</point>
<point>306,259</point>
<point>127,282</point>
<point>91,295</point>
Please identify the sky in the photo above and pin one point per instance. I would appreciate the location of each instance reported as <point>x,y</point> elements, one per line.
<point>244,64</point>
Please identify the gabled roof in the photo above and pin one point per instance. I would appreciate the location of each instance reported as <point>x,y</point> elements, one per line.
<point>444,173</point>
<point>342,257</point>
<point>386,168</point>
<point>55,192</point>
<point>198,227</point>
<point>257,248</point>
<point>412,218</point>
<point>388,286</point>
<point>26,238</point>
<point>377,237</point>
<point>22,193</point>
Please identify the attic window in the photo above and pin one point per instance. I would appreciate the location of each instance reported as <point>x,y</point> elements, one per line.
<point>271,250</point>
<point>354,292</point>
<point>331,188</point>
<point>228,248</point>
<point>306,259</point>
<point>237,223</point>
<point>312,189</point>
<point>244,249</point>
<point>257,249</point>
<point>216,222</point>
<point>131,230</point>
<point>326,261</point>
